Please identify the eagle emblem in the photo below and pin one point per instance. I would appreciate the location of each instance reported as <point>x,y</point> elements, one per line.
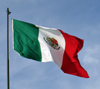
<point>52,42</point>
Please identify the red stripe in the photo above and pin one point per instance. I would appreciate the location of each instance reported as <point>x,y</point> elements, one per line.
<point>71,63</point>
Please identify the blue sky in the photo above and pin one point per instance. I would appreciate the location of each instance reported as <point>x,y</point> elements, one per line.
<point>80,18</point>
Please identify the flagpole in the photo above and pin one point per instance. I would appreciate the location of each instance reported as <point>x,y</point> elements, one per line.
<point>8,13</point>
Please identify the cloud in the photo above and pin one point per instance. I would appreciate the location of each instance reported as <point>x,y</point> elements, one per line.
<point>91,60</point>
<point>91,55</point>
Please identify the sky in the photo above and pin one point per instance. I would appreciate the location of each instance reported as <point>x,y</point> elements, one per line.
<point>80,18</point>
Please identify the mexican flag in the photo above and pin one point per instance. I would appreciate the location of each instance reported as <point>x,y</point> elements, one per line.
<point>48,45</point>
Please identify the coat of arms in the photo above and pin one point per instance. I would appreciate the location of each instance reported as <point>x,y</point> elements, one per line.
<point>52,42</point>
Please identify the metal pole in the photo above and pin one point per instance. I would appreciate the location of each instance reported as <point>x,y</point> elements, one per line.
<point>8,85</point>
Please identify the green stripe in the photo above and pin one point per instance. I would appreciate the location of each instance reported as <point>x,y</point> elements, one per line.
<point>26,40</point>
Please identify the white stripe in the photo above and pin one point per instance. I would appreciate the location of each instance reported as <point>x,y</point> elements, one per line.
<point>13,34</point>
<point>48,52</point>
